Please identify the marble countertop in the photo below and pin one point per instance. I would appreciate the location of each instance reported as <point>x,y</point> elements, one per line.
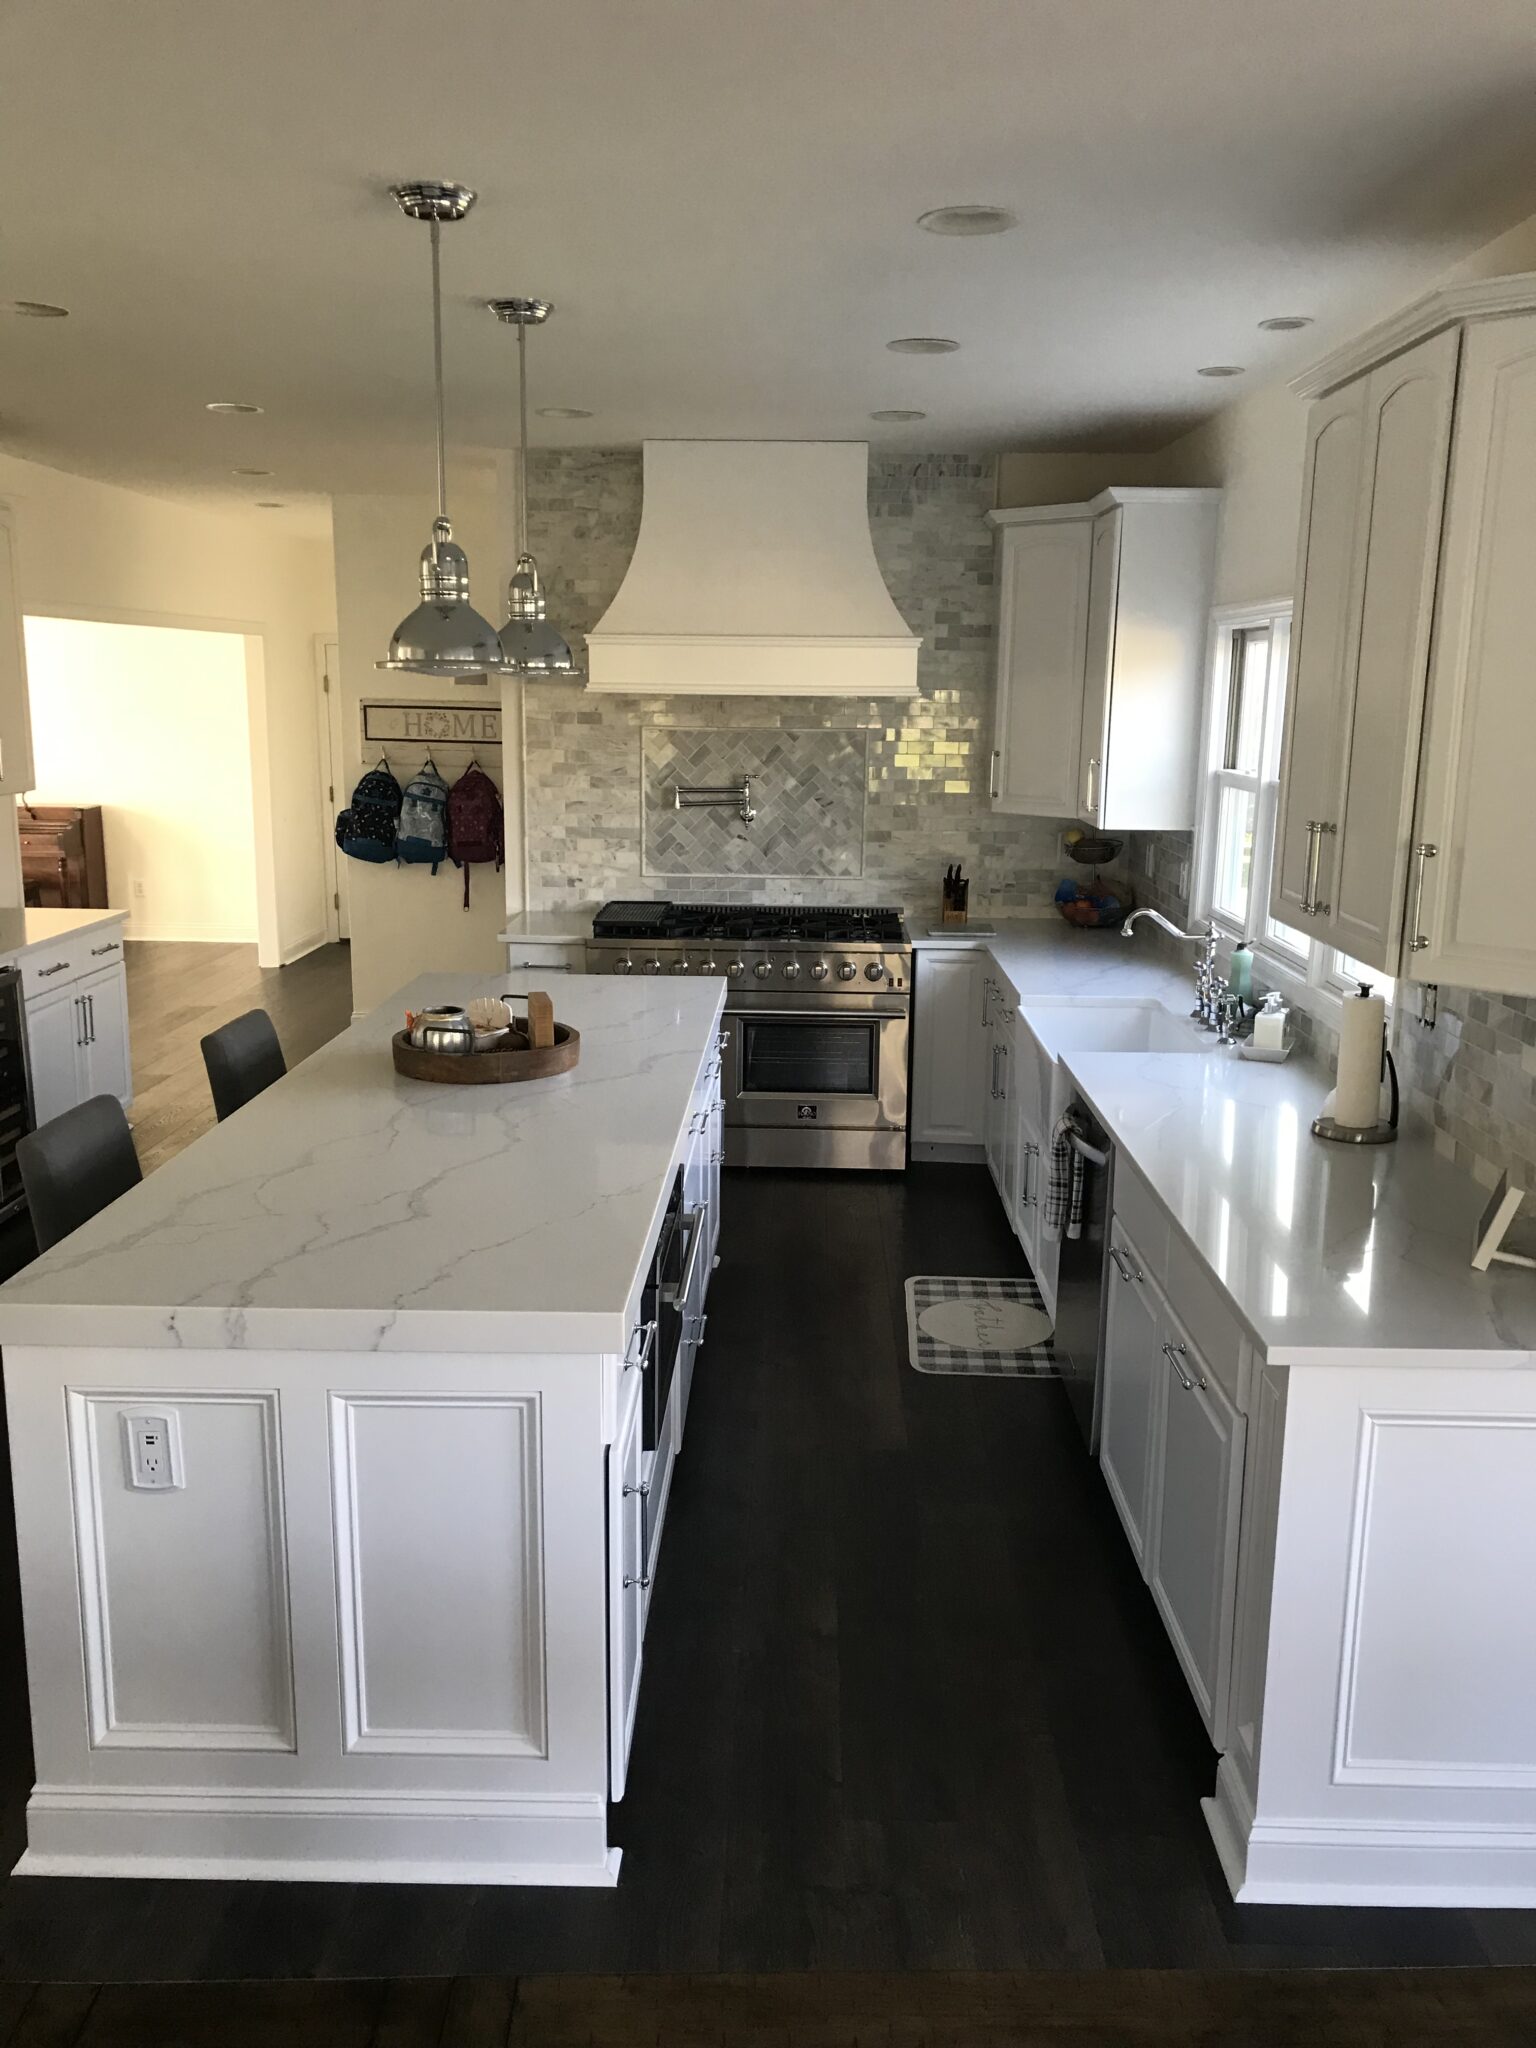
<point>20,930</point>
<point>552,927</point>
<point>1327,1253</point>
<point>347,1209</point>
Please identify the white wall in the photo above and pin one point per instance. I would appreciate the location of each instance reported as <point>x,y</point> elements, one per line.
<point>94,551</point>
<point>152,723</point>
<point>1057,477</point>
<point>407,921</point>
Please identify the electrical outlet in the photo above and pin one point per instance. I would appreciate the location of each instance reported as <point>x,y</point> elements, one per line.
<point>152,1449</point>
<point>136,888</point>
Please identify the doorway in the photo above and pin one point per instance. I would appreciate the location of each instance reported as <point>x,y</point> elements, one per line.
<point>332,793</point>
<point>148,726</point>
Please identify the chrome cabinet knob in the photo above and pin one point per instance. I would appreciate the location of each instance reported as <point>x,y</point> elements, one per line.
<point>763,969</point>
<point>847,971</point>
<point>875,971</point>
<point>791,970</point>
<point>818,970</point>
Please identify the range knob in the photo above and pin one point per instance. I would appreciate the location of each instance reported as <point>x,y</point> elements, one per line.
<point>680,965</point>
<point>624,966</point>
<point>791,970</point>
<point>763,969</point>
<point>709,967</point>
<point>875,971</point>
<point>736,969</point>
<point>847,971</point>
<point>652,967</point>
<point>818,970</point>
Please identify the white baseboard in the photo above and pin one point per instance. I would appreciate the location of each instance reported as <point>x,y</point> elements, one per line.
<point>1366,1862</point>
<point>309,945</point>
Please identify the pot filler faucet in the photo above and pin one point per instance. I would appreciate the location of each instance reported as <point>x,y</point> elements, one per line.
<point>1207,995</point>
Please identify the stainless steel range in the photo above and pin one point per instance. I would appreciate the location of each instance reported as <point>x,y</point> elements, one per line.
<point>816,1019</point>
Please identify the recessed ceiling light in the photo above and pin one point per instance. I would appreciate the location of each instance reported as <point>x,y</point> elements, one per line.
<point>35,309</point>
<point>898,412</point>
<point>1221,370</point>
<point>968,220</point>
<point>563,412</point>
<point>251,472</point>
<point>229,405</point>
<point>1285,323</point>
<point>922,345</point>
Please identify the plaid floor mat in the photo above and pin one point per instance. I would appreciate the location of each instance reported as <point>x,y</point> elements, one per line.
<point>978,1326</point>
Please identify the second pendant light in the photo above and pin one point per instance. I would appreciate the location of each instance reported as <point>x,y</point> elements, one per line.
<point>530,645</point>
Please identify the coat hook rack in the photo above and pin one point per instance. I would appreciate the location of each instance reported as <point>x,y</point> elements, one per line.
<point>718,796</point>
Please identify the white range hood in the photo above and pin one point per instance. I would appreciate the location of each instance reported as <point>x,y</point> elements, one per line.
<point>754,575</point>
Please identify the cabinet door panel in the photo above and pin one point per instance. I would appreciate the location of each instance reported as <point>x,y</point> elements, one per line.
<point>55,1029</point>
<point>108,1069</point>
<point>626,1597</point>
<point>1041,637</point>
<point>1132,1373</point>
<point>1322,642</point>
<point>1475,787</point>
<point>1408,427</point>
<point>1103,607</point>
<point>1193,1557</point>
<point>949,1081</point>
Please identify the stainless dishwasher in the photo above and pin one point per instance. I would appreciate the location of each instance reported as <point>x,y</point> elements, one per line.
<point>1079,1339</point>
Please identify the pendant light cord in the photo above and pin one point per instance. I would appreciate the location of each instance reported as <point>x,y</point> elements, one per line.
<point>522,437</point>
<point>437,370</point>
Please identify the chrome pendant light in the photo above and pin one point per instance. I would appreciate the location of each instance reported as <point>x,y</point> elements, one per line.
<point>530,645</point>
<point>444,635</point>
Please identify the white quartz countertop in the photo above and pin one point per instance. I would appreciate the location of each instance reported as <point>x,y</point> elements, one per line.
<point>346,1209</point>
<point>1328,1253</point>
<point>21,930</point>
<point>551,927</point>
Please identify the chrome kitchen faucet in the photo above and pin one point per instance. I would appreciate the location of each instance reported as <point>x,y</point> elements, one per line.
<point>1207,999</point>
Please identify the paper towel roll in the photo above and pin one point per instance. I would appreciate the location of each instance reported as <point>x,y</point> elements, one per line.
<point>1362,1034</point>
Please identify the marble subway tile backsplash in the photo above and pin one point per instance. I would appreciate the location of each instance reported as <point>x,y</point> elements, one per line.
<point>595,766</point>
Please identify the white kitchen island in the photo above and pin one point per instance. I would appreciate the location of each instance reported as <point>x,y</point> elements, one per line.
<point>391,1337</point>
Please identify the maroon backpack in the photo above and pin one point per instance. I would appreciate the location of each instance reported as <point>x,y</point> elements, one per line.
<point>475,827</point>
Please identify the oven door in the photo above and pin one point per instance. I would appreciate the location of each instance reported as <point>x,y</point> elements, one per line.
<point>815,1070</point>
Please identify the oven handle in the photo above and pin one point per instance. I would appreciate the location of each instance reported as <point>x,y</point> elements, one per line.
<point>831,1012</point>
<point>693,1221</point>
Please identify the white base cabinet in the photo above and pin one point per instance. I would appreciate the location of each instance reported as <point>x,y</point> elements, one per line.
<point>75,998</point>
<point>950,1076</point>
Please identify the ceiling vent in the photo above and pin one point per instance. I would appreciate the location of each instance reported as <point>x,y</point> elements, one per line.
<point>754,575</point>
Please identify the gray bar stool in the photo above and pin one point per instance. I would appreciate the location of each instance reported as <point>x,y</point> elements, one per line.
<point>75,1164</point>
<point>242,1057</point>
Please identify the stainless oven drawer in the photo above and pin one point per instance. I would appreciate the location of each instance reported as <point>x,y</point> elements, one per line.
<point>815,1070</point>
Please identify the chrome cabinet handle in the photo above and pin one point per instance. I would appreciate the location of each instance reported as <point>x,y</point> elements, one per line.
<point>646,1335</point>
<point>58,967</point>
<point>79,1020</point>
<point>992,772</point>
<point>639,1491</point>
<point>1173,1353</point>
<point>1316,829</point>
<point>643,1581</point>
<point>995,1052</point>
<point>1002,1082</point>
<point>543,966</point>
<point>97,951</point>
<point>1032,1153</point>
<point>699,1323</point>
<point>90,1019</point>
<point>1123,1265</point>
<point>1091,793</point>
<point>1423,853</point>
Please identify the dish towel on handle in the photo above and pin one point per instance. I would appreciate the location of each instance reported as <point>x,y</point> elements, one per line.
<point>1063,1214</point>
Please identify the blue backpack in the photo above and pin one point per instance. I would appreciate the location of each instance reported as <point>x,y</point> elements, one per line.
<point>366,828</point>
<point>422,839</point>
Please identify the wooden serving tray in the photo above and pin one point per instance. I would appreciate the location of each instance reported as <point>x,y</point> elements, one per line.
<point>513,1060</point>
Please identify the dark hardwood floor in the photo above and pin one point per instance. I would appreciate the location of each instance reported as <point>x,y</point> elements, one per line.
<point>907,1704</point>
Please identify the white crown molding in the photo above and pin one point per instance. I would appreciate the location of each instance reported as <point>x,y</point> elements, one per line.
<point>1483,299</point>
<point>1102,501</point>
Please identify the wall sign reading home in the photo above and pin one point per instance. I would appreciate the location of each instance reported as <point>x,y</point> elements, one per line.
<point>439,725</point>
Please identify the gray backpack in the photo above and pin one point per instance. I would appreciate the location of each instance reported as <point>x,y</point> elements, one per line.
<point>422,836</point>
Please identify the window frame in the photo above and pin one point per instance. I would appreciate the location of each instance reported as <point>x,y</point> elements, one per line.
<point>1311,974</point>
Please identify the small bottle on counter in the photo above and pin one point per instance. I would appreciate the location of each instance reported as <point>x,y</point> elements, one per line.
<point>1271,1027</point>
<point>1240,973</point>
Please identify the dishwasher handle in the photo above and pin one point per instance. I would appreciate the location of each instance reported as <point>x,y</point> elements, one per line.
<point>1084,1150</point>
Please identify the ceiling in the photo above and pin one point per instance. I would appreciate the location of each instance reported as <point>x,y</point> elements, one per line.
<point>720,197</point>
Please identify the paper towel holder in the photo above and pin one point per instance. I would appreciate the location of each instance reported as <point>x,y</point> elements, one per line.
<point>1382,1133</point>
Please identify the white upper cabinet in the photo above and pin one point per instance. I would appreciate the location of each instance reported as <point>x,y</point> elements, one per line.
<point>1405,816</point>
<point>1469,921</point>
<point>1042,639</point>
<point>1101,641</point>
<point>1370,547</point>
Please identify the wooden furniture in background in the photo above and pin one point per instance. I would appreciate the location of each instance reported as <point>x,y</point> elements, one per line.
<point>63,857</point>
